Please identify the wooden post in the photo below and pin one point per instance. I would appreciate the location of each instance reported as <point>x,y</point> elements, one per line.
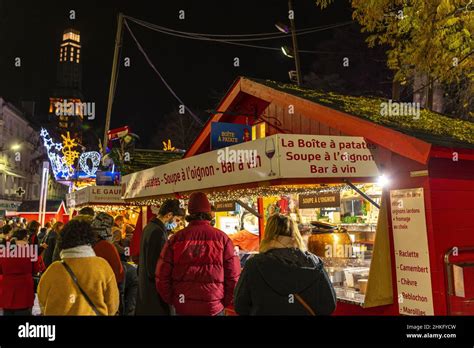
<point>261,219</point>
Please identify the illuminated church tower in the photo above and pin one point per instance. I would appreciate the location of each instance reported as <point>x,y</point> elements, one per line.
<point>68,84</point>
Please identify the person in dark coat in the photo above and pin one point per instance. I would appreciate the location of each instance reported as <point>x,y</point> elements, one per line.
<point>5,234</point>
<point>33,229</point>
<point>16,286</point>
<point>154,236</point>
<point>51,240</point>
<point>198,268</point>
<point>284,279</point>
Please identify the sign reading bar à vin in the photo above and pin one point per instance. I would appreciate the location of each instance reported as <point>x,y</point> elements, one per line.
<point>321,200</point>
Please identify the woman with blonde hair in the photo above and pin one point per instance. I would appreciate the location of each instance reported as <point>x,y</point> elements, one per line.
<point>284,278</point>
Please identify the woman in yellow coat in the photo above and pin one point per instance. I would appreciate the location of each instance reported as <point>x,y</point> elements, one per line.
<point>59,294</point>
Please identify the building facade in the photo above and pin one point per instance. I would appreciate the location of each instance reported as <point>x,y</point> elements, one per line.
<point>21,158</point>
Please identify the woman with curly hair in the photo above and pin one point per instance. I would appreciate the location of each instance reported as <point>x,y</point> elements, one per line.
<point>81,283</point>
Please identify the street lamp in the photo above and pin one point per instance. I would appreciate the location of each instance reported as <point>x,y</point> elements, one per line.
<point>294,52</point>
<point>15,147</point>
<point>282,27</point>
<point>287,51</point>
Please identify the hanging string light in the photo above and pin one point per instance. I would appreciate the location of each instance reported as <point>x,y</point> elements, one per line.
<point>263,191</point>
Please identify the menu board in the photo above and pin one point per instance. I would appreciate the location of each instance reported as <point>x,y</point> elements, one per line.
<point>415,295</point>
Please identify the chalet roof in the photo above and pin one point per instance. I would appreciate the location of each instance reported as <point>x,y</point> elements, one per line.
<point>143,159</point>
<point>432,127</point>
<point>33,206</point>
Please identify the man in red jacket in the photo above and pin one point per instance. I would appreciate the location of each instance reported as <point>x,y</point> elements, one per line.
<point>198,269</point>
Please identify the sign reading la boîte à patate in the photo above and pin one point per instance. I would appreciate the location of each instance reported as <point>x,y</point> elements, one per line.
<point>274,157</point>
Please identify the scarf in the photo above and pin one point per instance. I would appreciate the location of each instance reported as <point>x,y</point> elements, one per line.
<point>279,243</point>
<point>77,252</point>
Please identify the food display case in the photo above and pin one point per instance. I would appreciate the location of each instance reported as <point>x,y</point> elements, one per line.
<point>340,227</point>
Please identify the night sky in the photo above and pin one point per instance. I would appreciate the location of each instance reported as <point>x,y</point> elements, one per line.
<point>200,72</point>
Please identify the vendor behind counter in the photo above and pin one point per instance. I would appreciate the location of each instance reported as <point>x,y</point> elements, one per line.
<point>247,240</point>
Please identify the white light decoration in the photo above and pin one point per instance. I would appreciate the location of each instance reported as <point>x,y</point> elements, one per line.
<point>94,156</point>
<point>59,166</point>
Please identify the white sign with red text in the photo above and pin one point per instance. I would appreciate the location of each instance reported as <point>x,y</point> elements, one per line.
<point>274,157</point>
<point>411,252</point>
<point>245,162</point>
<point>325,156</point>
<point>95,195</point>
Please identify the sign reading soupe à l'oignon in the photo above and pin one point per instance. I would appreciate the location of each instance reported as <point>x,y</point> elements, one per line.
<point>319,200</point>
<point>274,157</point>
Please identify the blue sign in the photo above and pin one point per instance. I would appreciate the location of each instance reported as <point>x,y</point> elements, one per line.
<point>107,178</point>
<point>227,134</point>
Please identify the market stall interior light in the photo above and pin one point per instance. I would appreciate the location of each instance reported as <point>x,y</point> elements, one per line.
<point>383,181</point>
<point>265,191</point>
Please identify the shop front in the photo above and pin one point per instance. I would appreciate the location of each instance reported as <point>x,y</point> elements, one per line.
<point>246,186</point>
<point>388,211</point>
<point>55,210</point>
<point>107,199</point>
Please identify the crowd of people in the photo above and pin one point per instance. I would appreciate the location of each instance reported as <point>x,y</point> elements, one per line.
<point>84,267</point>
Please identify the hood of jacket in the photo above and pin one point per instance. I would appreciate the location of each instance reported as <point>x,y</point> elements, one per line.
<point>289,270</point>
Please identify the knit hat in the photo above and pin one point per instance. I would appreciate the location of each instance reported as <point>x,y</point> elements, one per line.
<point>198,203</point>
<point>102,225</point>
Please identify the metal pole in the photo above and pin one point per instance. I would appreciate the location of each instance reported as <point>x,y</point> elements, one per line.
<point>43,193</point>
<point>118,44</point>
<point>248,208</point>
<point>355,188</point>
<point>295,44</point>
